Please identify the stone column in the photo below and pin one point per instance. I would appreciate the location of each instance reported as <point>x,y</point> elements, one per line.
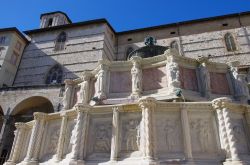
<point>102,79</point>
<point>136,74</point>
<point>115,135</point>
<point>186,133</point>
<point>228,128</point>
<point>84,133</point>
<point>62,136</point>
<point>36,137</point>
<point>204,77</point>
<point>148,106</point>
<point>67,94</point>
<point>80,126</point>
<point>173,73</point>
<point>217,105</point>
<point>17,144</point>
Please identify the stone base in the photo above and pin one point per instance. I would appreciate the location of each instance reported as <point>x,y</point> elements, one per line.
<point>77,162</point>
<point>236,163</point>
<point>29,163</point>
<point>9,163</point>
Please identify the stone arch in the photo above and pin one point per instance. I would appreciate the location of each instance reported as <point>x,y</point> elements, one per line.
<point>22,112</point>
<point>34,103</point>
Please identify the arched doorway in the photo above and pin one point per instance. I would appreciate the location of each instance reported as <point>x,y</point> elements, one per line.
<point>22,112</point>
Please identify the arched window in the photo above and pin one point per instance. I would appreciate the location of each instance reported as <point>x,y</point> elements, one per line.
<point>174,45</point>
<point>60,41</point>
<point>230,42</point>
<point>54,75</point>
<point>129,50</point>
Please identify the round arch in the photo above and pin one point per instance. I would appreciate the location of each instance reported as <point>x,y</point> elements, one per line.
<point>33,104</point>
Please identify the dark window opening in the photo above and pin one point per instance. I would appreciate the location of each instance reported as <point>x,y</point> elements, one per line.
<point>230,42</point>
<point>50,22</point>
<point>60,41</point>
<point>55,75</point>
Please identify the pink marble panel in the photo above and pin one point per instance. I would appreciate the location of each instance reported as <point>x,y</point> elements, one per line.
<point>154,78</point>
<point>219,83</point>
<point>188,79</point>
<point>120,82</point>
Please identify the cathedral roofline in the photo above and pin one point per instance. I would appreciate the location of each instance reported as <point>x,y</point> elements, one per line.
<point>103,20</point>
<point>96,21</point>
<point>14,29</point>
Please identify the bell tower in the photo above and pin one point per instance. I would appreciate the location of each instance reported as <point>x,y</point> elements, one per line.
<point>54,19</point>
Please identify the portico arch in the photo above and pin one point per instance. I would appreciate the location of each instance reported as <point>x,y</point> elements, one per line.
<point>22,112</point>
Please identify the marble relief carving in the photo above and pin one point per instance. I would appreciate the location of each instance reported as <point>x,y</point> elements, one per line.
<point>132,135</point>
<point>240,136</point>
<point>102,139</point>
<point>201,135</point>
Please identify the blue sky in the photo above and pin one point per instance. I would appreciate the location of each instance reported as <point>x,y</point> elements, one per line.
<point>122,14</point>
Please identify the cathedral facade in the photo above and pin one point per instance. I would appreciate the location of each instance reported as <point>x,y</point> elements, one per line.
<point>82,93</point>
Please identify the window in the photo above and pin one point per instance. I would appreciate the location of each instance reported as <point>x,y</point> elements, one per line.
<point>18,46</point>
<point>129,50</point>
<point>50,22</point>
<point>55,75</point>
<point>230,42</point>
<point>14,58</point>
<point>174,45</point>
<point>2,40</point>
<point>60,41</point>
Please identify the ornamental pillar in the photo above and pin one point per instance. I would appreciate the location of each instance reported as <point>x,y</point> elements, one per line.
<point>148,106</point>
<point>61,140</point>
<point>36,137</point>
<point>115,135</point>
<point>17,144</point>
<point>186,133</point>
<point>217,105</point>
<point>67,94</point>
<point>222,104</point>
<point>102,79</point>
<point>79,132</point>
<point>136,74</point>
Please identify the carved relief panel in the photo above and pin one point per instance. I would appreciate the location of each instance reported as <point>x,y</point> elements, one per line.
<point>130,134</point>
<point>51,136</point>
<point>169,139</point>
<point>204,138</point>
<point>69,138</point>
<point>99,137</point>
<point>239,131</point>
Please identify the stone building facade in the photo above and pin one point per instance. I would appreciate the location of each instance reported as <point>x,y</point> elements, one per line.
<point>102,97</point>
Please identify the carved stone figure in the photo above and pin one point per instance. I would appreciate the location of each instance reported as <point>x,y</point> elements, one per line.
<point>205,79</point>
<point>102,140</point>
<point>240,137</point>
<point>174,79</point>
<point>171,134</point>
<point>204,135</point>
<point>84,90</point>
<point>67,94</point>
<point>136,78</point>
<point>132,136</point>
<point>240,84</point>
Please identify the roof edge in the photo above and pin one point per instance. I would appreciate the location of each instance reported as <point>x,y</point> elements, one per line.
<point>14,29</point>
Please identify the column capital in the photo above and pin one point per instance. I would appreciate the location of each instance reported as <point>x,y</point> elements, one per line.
<point>69,82</point>
<point>40,116</point>
<point>82,108</point>
<point>148,102</point>
<point>21,125</point>
<point>86,75</point>
<point>136,59</point>
<point>221,102</point>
